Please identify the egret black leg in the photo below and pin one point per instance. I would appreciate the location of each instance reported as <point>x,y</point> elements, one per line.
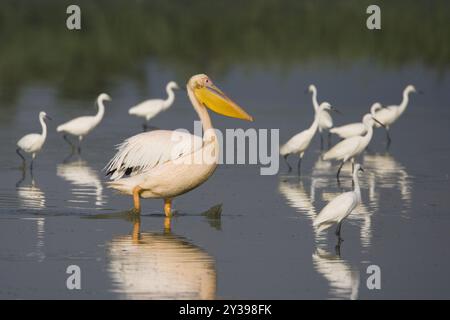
<point>31,166</point>
<point>66,138</point>
<point>144,127</point>
<point>299,166</point>
<point>329,139</point>
<point>339,172</point>
<point>388,138</point>
<point>21,156</point>
<point>321,141</point>
<point>287,162</point>
<point>338,233</point>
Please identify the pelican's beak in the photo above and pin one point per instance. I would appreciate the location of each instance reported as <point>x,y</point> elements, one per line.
<point>214,99</point>
<point>379,122</point>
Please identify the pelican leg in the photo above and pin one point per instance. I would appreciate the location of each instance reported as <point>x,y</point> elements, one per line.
<point>21,156</point>
<point>136,199</point>
<point>339,172</point>
<point>168,207</point>
<point>287,162</point>
<point>136,235</point>
<point>167,224</point>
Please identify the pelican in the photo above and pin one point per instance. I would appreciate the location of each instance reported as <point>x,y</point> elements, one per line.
<point>350,148</point>
<point>164,164</point>
<point>300,142</point>
<point>354,129</point>
<point>340,207</point>
<point>390,114</point>
<point>325,121</point>
<point>81,126</point>
<point>149,109</point>
<point>33,142</point>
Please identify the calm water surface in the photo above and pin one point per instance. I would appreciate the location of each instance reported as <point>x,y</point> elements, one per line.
<point>240,235</point>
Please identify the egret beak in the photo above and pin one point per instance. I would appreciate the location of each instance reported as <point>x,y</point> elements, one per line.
<point>361,169</point>
<point>335,110</point>
<point>48,118</point>
<point>213,98</point>
<point>379,122</point>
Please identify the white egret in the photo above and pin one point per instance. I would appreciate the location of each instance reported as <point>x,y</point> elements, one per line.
<point>390,114</point>
<point>301,141</point>
<point>354,129</point>
<point>149,109</point>
<point>81,126</point>
<point>33,142</point>
<point>325,119</point>
<point>163,164</point>
<point>350,148</point>
<point>340,207</point>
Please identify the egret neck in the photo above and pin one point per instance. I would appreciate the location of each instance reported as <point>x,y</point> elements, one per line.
<point>44,127</point>
<point>404,103</point>
<point>101,110</point>
<point>170,97</point>
<point>314,99</point>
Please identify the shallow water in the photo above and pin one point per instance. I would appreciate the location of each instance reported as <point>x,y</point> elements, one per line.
<point>260,242</point>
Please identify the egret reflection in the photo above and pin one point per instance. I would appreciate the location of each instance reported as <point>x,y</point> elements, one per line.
<point>151,265</point>
<point>30,195</point>
<point>85,181</point>
<point>388,174</point>
<point>343,279</point>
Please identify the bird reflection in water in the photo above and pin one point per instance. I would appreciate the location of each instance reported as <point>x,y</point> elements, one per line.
<point>151,265</point>
<point>343,279</point>
<point>85,180</point>
<point>29,194</point>
<point>388,173</point>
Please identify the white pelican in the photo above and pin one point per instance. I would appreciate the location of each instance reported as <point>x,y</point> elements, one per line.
<point>81,126</point>
<point>300,142</point>
<point>164,164</point>
<point>340,207</point>
<point>350,148</point>
<point>33,142</point>
<point>325,121</point>
<point>354,129</point>
<point>149,109</point>
<point>390,114</point>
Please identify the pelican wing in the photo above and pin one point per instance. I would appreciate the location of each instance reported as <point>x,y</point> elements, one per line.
<point>148,150</point>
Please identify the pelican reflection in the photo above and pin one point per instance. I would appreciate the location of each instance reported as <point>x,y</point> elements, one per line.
<point>343,279</point>
<point>85,180</point>
<point>150,265</point>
